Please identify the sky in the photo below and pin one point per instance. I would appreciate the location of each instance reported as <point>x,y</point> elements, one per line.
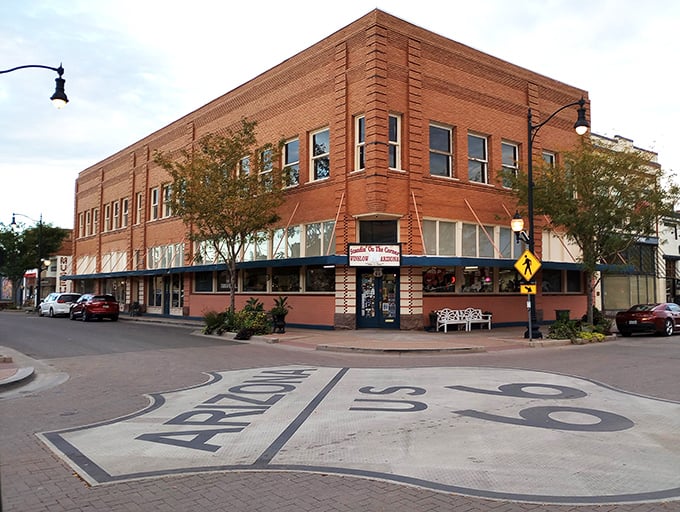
<point>133,67</point>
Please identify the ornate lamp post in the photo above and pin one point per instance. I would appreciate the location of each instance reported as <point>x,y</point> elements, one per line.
<point>59,98</point>
<point>581,126</point>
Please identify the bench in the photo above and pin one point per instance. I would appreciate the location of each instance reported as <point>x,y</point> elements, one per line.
<point>446,317</point>
<point>466,317</point>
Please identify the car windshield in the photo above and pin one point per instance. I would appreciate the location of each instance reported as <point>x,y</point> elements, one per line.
<point>643,307</point>
<point>69,298</point>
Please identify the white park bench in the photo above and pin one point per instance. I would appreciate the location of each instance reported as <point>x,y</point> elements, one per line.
<point>466,317</point>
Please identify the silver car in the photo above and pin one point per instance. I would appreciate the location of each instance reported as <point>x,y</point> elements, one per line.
<point>56,304</point>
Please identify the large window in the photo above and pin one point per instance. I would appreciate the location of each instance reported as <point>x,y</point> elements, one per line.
<point>394,140</point>
<point>291,162</point>
<point>510,155</point>
<point>477,280</point>
<point>439,280</point>
<point>203,282</point>
<point>177,291</point>
<point>286,279</point>
<point>477,241</point>
<point>125,212</point>
<point>440,237</point>
<point>255,280</point>
<point>138,206</point>
<point>321,163</point>
<point>441,152</point>
<point>477,158</point>
<point>155,285</point>
<point>359,143</point>
<point>107,217</point>
<point>319,238</point>
<point>116,215</point>
<point>320,279</point>
<point>88,225</point>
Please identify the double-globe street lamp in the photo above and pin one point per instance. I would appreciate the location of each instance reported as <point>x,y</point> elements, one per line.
<point>41,262</point>
<point>59,98</point>
<point>581,126</point>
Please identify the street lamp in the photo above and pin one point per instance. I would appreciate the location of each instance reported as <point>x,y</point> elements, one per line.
<point>581,127</point>
<point>59,98</point>
<point>40,258</point>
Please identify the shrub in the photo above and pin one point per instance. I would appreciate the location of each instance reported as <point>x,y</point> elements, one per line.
<point>213,321</point>
<point>564,329</point>
<point>601,323</point>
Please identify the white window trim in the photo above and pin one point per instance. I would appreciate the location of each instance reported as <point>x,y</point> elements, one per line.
<point>293,163</point>
<point>514,167</point>
<point>439,152</point>
<point>484,161</point>
<point>314,157</point>
<point>397,143</point>
<point>359,145</point>
<point>154,203</point>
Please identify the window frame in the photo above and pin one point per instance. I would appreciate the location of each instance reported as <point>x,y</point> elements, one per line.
<point>166,193</point>
<point>360,143</point>
<point>154,195</point>
<point>125,212</point>
<point>116,215</point>
<point>292,178</point>
<point>107,217</point>
<point>448,154</point>
<point>139,207</point>
<point>321,156</point>
<point>394,145</point>
<point>513,166</point>
<point>483,161</point>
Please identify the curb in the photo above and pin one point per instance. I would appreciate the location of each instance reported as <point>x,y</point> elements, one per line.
<point>16,375</point>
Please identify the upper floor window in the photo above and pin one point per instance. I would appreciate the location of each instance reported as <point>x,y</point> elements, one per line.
<point>244,166</point>
<point>394,142</point>
<point>291,162</point>
<point>441,152</point>
<point>138,207</point>
<point>125,212</point>
<point>116,215</point>
<point>439,237</point>
<point>167,201</point>
<point>510,155</point>
<point>154,203</point>
<point>81,225</point>
<point>95,221</point>
<point>549,158</point>
<point>88,223</point>
<point>359,143</point>
<point>321,164</point>
<point>107,217</point>
<point>478,161</point>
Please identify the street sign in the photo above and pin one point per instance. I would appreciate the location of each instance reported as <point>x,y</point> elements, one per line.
<point>527,265</point>
<point>528,289</point>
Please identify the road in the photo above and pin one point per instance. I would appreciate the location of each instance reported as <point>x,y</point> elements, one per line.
<point>113,368</point>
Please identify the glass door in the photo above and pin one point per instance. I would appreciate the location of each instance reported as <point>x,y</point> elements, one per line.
<point>378,298</point>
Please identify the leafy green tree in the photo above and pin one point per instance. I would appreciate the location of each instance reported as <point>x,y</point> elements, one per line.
<point>602,200</point>
<point>22,249</point>
<point>226,189</point>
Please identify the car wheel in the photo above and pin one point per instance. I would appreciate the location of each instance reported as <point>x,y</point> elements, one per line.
<point>625,334</point>
<point>51,313</point>
<point>40,312</point>
<point>71,316</point>
<point>668,327</point>
<point>85,317</point>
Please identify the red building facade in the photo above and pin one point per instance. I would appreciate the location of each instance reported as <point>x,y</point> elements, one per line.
<point>400,137</point>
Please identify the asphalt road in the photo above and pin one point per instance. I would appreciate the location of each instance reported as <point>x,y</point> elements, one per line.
<point>112,367</point>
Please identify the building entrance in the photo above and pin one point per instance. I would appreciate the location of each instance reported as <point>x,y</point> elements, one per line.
<point>378,298</point>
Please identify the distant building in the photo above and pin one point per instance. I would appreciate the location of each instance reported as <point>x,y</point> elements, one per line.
<point>399,137</point>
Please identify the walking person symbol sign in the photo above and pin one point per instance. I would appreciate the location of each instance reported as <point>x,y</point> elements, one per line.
<point>527,265</point>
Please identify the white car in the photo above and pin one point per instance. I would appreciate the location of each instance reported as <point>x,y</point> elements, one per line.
<point>57,304</point>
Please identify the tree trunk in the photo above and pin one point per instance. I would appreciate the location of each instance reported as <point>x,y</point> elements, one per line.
<point>589,297</point>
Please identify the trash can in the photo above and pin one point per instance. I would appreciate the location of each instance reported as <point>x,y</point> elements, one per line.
<point>562,315</point>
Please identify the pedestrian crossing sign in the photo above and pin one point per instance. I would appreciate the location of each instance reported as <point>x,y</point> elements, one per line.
<point>528,289</point>
<point>527,265</point>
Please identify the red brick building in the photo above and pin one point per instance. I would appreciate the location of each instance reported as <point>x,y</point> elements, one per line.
<point>399,136</point>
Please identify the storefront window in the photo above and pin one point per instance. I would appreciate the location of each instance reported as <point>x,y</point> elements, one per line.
<point>574,281</point>
<point>508,281</point>
<point>177,300</point>
<point>203,281</point>
<point>320,279</point>
<point>155,291</point>
<point>286,279</point>
<point>477,280</point>
<point>552,281</point>
<point>255,280</point>
<point>223,284</point>
<point>439,280</point>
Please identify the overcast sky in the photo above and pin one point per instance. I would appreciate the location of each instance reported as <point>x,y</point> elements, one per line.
<point>132,67</point>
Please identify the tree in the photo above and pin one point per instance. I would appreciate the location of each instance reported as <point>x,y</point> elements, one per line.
<point>226,190</point>
<point>23,248</point>
<point>602,200</point>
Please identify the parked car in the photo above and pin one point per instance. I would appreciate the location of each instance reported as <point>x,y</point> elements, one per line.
<point>663,318</point>
<point>90,306</point>
<point>56,304</point>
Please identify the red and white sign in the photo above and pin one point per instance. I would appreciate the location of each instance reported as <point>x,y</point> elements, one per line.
<point>374,255</point>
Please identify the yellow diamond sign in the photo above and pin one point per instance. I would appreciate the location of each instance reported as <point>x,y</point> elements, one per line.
<point>527,265</point>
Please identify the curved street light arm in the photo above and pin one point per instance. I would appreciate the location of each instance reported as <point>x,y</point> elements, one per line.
<point>535,127</point>
<point>59,70</point>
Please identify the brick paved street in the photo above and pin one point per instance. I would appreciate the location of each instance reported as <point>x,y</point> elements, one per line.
<point>101,387</point>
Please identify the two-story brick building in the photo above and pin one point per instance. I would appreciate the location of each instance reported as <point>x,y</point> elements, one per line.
<point>399,136</point>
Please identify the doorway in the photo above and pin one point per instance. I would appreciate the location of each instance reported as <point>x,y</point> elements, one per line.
<point>378,298</point>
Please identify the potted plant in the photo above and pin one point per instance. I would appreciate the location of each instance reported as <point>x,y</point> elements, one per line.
<point>279,312</point>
